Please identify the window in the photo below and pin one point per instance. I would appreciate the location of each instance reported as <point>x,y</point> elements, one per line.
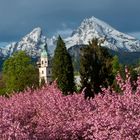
<point>42,72</point>
<point>42,62</point>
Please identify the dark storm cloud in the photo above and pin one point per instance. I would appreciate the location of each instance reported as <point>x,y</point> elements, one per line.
<point>18,17</point>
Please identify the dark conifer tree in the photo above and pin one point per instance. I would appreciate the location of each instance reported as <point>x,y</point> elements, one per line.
<point>95,68</point>
<point>62,69</point>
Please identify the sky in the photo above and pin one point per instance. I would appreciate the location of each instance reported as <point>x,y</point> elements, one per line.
<point>19,17</point>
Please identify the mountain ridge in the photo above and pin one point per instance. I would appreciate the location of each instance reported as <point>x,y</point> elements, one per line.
<point>95,28</point>
<point>88,29</point>
<point>29,43</point>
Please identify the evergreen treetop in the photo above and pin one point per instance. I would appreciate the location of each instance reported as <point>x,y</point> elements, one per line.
<point>95,67</point>
<point>62,69</point>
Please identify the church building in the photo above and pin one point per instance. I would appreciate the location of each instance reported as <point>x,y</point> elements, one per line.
<point>45,66</point>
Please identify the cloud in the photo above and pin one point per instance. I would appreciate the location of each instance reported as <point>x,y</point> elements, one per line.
<point>135,34</point>
<point>18,17</point>
<point>64,33</point>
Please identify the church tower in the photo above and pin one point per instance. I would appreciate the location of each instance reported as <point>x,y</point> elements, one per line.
<point>45,70</point>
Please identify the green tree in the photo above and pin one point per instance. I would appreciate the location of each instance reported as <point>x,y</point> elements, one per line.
<point>62,69</point>
<point>2,85</point>
<point>19,72</point>
<point>137,68</point>
<point>115,65</point>
<point>95,68</point>
<point>42,82</point>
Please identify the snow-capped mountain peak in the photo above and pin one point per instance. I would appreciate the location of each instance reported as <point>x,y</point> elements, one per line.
<point>94,28</point>
<point>29,43</point>
<point>34,35</point>
<point>94,23</point>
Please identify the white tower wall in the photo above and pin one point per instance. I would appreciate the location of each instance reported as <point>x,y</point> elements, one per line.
<point>45,70</point>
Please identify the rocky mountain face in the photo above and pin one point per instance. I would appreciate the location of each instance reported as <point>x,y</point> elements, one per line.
<point>89,28</point>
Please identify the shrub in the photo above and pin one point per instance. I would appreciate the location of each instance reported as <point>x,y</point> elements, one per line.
<point>47,114</point>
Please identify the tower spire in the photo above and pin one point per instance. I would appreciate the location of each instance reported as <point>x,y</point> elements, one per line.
<point>45,70</point>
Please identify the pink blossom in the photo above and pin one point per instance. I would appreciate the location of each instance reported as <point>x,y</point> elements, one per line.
<point>45,114</point>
